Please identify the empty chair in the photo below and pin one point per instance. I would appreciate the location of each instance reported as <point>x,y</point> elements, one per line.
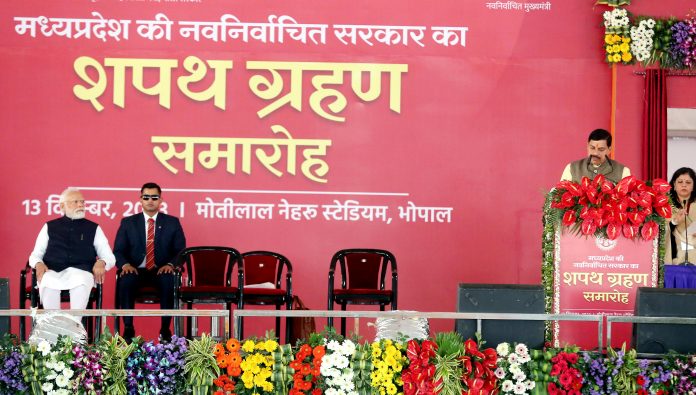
<point>264,285</point>
<point>210,278</point>
<point>363,273</point>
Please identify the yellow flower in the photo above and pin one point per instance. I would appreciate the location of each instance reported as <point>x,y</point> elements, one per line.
<point>616,48</point>
<point>626,57</point>
<point>610,58</point>
<point>376,352</point>
<point>617,57</point>
<point>616,38</point>
<point>626,40</point>
<point>608,39</point>
<point>248,346</point>
<point>610,49</point>
<point>624,47</point>
<point>271,345</point>
<point>391,389</point>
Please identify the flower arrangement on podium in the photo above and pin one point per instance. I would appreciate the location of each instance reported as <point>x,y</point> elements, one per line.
<point>631,208</point>
<point>513,369</point>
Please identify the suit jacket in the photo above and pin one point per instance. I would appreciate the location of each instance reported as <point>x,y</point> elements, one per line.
<point>129,246</point>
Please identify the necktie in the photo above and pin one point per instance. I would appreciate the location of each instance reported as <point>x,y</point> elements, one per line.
<point>150,245</point>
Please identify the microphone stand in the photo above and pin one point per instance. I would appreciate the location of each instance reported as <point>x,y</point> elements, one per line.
<point>686,233</point>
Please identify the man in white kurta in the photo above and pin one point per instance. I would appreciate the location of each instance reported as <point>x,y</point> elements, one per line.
<point>71,253</point>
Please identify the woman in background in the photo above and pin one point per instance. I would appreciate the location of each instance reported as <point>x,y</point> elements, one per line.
<point>683,216</point>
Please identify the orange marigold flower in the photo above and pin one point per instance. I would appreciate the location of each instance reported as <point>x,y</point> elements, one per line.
<point>221,361</point>
<point>232,345</point>
<point>229,387</point>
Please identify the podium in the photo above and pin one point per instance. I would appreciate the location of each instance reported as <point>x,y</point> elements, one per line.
<point>594,275</point>
<point>600,244</point>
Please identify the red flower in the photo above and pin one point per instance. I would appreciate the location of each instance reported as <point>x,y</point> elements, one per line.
<point>640,380</point>
<point>630,231</point>
<point>588,227</point>
<point>649,230</point>
<point>660,186</point>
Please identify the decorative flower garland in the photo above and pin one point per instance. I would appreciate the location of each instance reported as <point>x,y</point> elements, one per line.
<point>336,370</point>
<point>387,363</point>
<point>513,371</point>
<point>419,376</point>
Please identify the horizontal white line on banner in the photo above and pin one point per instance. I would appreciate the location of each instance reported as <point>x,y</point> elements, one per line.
<point>259,191</point>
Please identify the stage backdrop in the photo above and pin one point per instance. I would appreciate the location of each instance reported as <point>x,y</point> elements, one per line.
<point>306,127</point>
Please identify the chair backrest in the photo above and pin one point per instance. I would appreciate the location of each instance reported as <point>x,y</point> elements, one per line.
<point>265,267</point>
<point>364,268</point>
<point>210,265</point>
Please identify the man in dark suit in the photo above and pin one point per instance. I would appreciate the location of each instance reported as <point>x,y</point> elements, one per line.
<point>145,248</point>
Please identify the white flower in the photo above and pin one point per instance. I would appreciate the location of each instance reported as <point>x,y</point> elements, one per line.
<point>503,349</point>
<point>46,387</point>
<point>499,373</point>
<point>521,349</point>
<point>333,345</point>
<point>514,368</point>
<point>62,381</point>
<point>530,385</point>
<point>44,347</point>
<point>520,388</point>
<point>60,365</point>
<point>512,358</point>
<point>519,376</point>
<point>507,386</point>
<point>67,372</point>
<point>524,359</point>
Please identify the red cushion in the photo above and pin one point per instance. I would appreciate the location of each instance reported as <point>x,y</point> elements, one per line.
<point>362,291</point>
<point>217,289</point>
<point>264,291</point>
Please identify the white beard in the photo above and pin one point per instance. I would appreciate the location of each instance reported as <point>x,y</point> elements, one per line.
<point>75,214</point>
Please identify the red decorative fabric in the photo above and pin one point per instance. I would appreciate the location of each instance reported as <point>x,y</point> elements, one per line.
<point>655,125</point>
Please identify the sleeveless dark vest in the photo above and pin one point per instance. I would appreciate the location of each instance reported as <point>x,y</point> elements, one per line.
<point>70,244</point>
<point>611,169</point>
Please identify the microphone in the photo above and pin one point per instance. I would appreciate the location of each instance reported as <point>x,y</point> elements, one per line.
<point>685,205</point>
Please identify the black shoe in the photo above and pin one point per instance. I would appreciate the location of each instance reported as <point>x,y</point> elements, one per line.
<point>165,335</point>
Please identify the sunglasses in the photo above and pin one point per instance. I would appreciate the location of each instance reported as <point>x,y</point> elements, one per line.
<point>148,197</point>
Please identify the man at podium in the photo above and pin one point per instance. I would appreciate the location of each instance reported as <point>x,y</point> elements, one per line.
<point>597,161</point>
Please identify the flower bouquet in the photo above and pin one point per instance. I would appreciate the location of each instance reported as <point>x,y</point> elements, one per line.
<point>632,208</point>
<point>478,366</point>
<point>419,376</point>
<point>513,370</point>
<point>388,361</point>
<point>307,365</point>
<point>257,366</point>
<point>87,363</point>
<point>616,37</point>
<point>11,380</point>
<point>155,368</point>
<point>336,370</point>
<point>47,368</point>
